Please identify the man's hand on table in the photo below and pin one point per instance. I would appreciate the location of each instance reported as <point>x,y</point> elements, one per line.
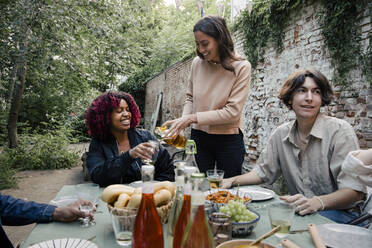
<point>303,204</point>
<point>71,212</point>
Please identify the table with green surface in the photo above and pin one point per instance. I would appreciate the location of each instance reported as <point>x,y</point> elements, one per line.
<point>102,233</point>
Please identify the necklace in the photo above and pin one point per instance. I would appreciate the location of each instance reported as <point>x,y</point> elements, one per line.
<point>120,151</point>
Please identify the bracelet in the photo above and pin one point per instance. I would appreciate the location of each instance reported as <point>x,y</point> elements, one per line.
<point>321,202</point>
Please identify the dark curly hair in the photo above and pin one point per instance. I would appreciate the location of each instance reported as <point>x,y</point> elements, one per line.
<point>296,80</point>
<point>98,116</point>
<point>216,27</point>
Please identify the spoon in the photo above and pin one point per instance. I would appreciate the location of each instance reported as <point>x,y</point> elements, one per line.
<point>266,235</point>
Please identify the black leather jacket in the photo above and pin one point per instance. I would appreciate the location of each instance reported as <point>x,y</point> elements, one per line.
<point>107,167</point>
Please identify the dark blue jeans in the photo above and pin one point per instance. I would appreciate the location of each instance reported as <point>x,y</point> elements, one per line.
<point>339,216</point>
<point>226,149</point>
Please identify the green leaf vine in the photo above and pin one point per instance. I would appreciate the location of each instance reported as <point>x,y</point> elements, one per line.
<point>265,25</point>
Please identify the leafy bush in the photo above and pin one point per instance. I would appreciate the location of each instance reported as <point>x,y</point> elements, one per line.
<point>7,174</point>
<point>42,151</point>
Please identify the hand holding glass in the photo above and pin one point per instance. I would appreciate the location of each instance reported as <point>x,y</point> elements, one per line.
<point>155,152</point>
<point>87,191</point>
<point>281,214</point>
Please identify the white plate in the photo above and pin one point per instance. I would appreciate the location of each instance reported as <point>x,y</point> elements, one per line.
<point>65,243</point>
<point>63,201</point>
<point>342,235</point>
<point>258,193</point>
<point>137,184</point>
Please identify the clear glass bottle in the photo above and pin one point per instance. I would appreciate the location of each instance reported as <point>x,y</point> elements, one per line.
<point>191,165</point>
<point>198,233</point>
<point>147,230</point>
<point>178,200</point>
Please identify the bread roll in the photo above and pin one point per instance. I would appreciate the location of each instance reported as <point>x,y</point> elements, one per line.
<point>122,200</point>
<point>112,192</point>
<point>162,197</point>
<point>164,185</point>
<point>134,201</point>
<point>138,191</point>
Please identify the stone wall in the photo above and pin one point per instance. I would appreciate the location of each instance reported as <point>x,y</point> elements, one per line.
<point>303,47</point>
<point>172,82</point>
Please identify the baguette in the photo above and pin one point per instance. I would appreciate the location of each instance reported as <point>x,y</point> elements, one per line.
<point>111,193</point>
<point>134,201</point>
<point>164,185</point>
<point>162,197</point>
<point>122,200</point>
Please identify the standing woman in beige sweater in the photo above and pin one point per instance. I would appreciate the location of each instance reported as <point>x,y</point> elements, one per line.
<point>218,88</point>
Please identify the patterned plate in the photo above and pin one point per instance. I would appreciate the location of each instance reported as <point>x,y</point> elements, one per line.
<point>65,243</point>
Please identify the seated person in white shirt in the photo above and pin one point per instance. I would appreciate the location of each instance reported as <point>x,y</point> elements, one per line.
<point>358,164</point>
<point>309,152</point>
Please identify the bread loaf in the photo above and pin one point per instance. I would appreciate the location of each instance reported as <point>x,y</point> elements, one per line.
<point>111,193</point>
<point>164,185</point>
<point>122,200</point>
<point>134,201</point>
<point>162,197</point>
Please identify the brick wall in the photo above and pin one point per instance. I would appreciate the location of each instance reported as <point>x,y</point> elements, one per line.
<point>263,112</point>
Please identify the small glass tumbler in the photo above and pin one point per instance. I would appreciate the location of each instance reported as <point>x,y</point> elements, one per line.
<point>215,178</point>
<point>281,214</point>
<point>123,223</point>
<point>221,227</point>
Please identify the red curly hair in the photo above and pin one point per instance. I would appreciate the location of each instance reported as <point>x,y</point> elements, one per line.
<point>98,116</point>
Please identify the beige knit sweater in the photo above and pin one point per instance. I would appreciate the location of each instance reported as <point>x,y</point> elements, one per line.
<point>217,96</point>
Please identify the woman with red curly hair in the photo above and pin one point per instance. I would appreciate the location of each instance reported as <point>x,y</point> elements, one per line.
<point>117,146</point>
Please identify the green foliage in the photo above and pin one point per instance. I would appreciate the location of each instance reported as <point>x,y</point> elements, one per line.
<point>174,43</point>
<point>339,22</point>
<point>266,23</point>
<point>264,26</point>
<point>7,174</point>
<point>73,48</point>
<point>41,151</point>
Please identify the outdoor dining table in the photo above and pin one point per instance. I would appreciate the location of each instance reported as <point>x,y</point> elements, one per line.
<point>102,233</point>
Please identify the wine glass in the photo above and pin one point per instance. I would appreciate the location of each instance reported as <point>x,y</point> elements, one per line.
<point>90,192</point>
<point>156,147</point>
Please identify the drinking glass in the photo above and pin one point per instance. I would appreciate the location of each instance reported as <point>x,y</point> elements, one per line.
<point>123,223</point>
<point>281,214</point>
<point>89,192</point>
<point>156,147</point>
<point>221,227</point>
<point>215,178</point>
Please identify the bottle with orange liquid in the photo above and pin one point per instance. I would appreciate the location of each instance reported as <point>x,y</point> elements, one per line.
<point>147,230</point>
<point>183,217</point>
<point>178,141</point>
<point>197,233</point>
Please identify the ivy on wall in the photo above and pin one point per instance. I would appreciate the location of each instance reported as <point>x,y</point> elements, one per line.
<point>339,22</point>
<point>265,25</point>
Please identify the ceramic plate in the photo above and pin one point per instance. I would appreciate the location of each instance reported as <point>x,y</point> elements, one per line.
<point>258,193</point>
<point>65,243</point>
<point>138,184</point>
<point>63,201</point>
<point>342,235</point>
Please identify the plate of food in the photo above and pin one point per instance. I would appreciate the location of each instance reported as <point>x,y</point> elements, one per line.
<point>220,197</point>
<point>258,193</point>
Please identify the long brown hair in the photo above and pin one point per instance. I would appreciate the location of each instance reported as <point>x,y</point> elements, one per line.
<point>215,27</point>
